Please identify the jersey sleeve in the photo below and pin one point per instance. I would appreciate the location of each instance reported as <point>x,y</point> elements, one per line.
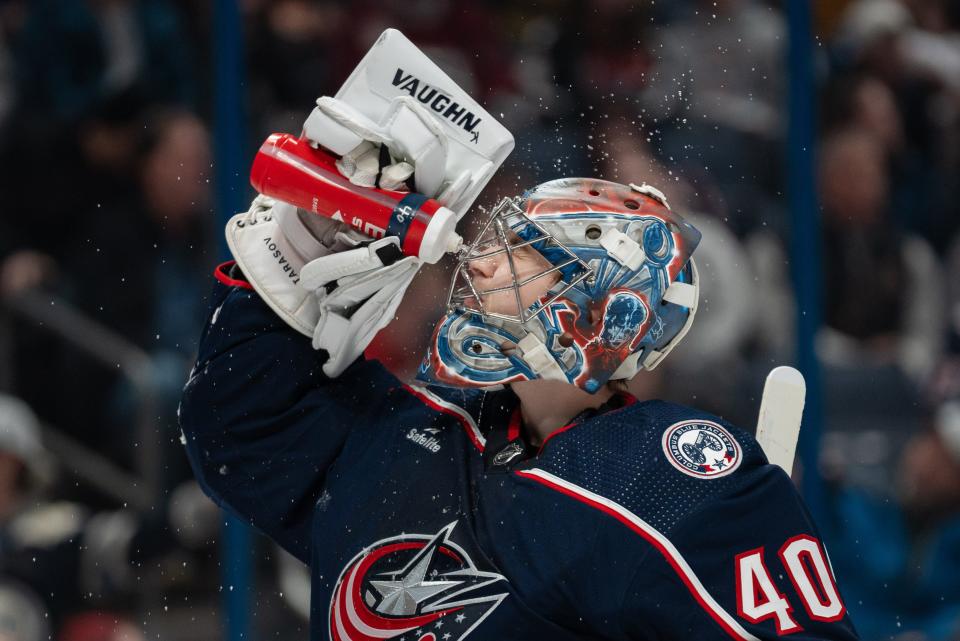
<point>262,423</point>
<point>746,565</point>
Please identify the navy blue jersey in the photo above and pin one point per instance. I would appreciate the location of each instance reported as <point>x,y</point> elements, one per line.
<point>424,514</point>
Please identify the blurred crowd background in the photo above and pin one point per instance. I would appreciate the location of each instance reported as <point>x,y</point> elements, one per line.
<point>108,237</point>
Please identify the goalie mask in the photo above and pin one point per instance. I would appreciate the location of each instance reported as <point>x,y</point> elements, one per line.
<point>580,280</point>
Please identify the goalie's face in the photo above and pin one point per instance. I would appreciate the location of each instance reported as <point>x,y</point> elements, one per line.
<point>493,277</point>
<point>506,275</point>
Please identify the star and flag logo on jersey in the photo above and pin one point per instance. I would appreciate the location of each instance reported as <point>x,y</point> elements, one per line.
<point>412,587</point>
<point>702,449</point>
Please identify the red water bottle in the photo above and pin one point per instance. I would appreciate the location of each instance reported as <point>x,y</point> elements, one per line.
<point>290,169</point>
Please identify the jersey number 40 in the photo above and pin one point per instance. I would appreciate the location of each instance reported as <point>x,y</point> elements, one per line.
<point>805,563</point>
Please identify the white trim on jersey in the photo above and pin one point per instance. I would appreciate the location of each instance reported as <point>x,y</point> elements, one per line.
<point>445,406</point>
<point>652,535</point>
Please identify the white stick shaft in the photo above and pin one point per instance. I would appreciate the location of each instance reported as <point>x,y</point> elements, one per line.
<point>781,411</point>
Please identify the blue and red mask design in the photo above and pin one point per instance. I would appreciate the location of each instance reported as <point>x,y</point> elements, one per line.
<point>614,251</point>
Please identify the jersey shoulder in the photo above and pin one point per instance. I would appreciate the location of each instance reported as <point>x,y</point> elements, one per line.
<point>658,460</point>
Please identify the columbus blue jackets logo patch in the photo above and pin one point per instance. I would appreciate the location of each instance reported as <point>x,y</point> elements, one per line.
<point>419,587</point>
<point>701,448</point>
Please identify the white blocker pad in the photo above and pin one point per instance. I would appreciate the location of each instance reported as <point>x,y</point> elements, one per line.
<point>394,67</point>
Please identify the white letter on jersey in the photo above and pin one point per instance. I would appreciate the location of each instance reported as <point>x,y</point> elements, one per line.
<point>757,596</point>
<point>799,555</point>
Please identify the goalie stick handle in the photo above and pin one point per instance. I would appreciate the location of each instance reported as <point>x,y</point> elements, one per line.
<point>781,412</point>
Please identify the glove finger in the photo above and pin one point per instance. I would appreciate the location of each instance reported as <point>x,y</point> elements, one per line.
<point>353,290</point>
<point>348,162</point>
<point>347,299</point>
<point>371,165</point>
<point>337,331</point>
<point>362,165</point>
<point>333,334</point>
<point>394,177</point>
<point>310,234</point>
<point>344,340</point>
<point>368,168</point>
<point>339,127</point>
<point>349,238</point>
<point>320,271</point>
<point>419,139</point>
<point>378,312</point>
<point>262,202</point>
